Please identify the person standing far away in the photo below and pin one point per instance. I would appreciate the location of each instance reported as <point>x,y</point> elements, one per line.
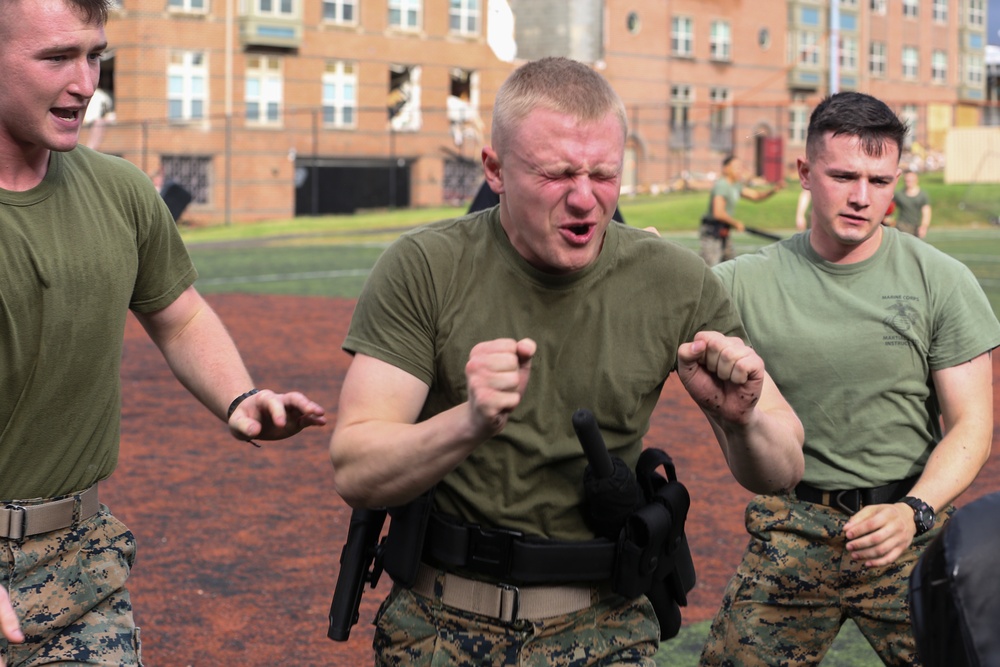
<point>476,339</point>
<point>913,207</point>
<point>717,225</point>
<point>84,238</point>
<point>883,345</point>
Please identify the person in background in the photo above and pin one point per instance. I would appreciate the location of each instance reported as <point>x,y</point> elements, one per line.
<point>913,207</point>
<point>717,225</point>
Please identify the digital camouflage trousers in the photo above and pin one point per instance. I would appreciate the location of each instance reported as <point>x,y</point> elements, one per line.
<point>68,589</point>
<point>797,585</point>
<point>416,631</point>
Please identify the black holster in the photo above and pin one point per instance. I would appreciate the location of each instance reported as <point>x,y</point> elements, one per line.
<point>405,542</point>
<point>716,228</point>
<point>653,554</point>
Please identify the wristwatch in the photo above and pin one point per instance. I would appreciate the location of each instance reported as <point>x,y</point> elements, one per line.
<point>923,514</point>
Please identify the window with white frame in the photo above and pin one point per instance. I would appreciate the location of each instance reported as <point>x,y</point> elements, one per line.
<point>340,11</point>
<point>462,106</point>
<point>193,6</point>
<point>939,11</point>
<point>404,98</point>
<point>405,14</point>
<point>976,14</point>
<point>973,70</point>
<point>340,94</point>
<point>720,120</point>
<point>911,62</point>
<point>463,17</point>
<point>848,3</point>
<point>798,123</point>
<point>876,59</point>
<point>939,67</point>
<point>281,8</point>
<point>809,55</point>
<point>187,90</point>
<point>264,90</point>
<point>877,7</point>
<point>911,8</point>
<point>681,36</point>
<point>910,116</point>
<point>681,99</point>
<point>720,40</point>
<point>848,53</point>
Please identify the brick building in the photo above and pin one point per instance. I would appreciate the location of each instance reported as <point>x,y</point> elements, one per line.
<point>273,108</point>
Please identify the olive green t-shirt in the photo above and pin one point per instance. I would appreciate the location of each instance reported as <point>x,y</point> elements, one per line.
<point>852,348</point>
<point>607,340</point>
<point>92,240</point>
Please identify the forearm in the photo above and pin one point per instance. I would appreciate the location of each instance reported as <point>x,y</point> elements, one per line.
<point>764,455</point>
<point>199,351</point>
<point>384,463</point>
<point>953,466</point>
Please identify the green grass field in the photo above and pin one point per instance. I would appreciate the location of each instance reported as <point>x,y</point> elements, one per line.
<point>331,256</point>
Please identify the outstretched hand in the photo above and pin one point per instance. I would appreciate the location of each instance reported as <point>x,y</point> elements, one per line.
<point>722,374</point>
<point>270,416</point>
<point>10,629</point>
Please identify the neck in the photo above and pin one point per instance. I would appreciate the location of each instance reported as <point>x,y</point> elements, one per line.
<point>22,170</point>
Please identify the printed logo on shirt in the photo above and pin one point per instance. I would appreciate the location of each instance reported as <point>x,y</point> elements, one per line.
<point>900,319</point>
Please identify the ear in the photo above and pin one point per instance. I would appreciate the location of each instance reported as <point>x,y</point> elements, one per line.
<point>804,171</point>
<point>491,170</point>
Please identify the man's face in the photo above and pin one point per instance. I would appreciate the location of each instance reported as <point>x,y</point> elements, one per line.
<point>910,179</point>
<point>734,170</point>
<point>851,192</point>
<point>49,67</point>
<point>559,179</point>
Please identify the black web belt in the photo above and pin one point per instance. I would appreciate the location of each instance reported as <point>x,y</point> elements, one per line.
<point>852,500</point>
<point>508,555</point>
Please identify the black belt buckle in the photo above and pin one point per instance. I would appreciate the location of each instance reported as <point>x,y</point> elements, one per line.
<point>848,501</point>
<point>490,550</point>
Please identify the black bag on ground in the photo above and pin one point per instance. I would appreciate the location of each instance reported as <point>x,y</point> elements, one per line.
<point>955,590</point>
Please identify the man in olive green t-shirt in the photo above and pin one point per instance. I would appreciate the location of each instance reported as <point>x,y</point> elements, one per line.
<point>84,238</point>
<point>877,340</point>
<point>474,342</point>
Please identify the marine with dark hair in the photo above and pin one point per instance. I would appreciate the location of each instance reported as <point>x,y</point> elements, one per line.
<point>882,345</point>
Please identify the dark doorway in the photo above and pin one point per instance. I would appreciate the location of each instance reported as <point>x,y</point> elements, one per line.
<point>343,186</point>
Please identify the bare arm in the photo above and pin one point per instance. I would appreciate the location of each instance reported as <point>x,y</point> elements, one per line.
<point>719,213</point>
<point>761,195</point>
<point>801,222</point>
<point>925,220</point>
<point>205,360</point>
<point>878,534</point>
<point>760,435</point>
<point>381,454</point>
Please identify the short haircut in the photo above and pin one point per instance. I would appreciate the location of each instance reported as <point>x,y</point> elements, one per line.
<point>558,84</point>
<point>726,160</point>
<point>857,115</point>
<point>93,11</point>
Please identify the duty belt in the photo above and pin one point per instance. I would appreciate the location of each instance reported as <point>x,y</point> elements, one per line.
<point>18,521</point>
<point>508,555</point>
<point>852,500</point>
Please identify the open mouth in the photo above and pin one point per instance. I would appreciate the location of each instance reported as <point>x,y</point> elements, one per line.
<point>66,114</point>
<point>578,230</point>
